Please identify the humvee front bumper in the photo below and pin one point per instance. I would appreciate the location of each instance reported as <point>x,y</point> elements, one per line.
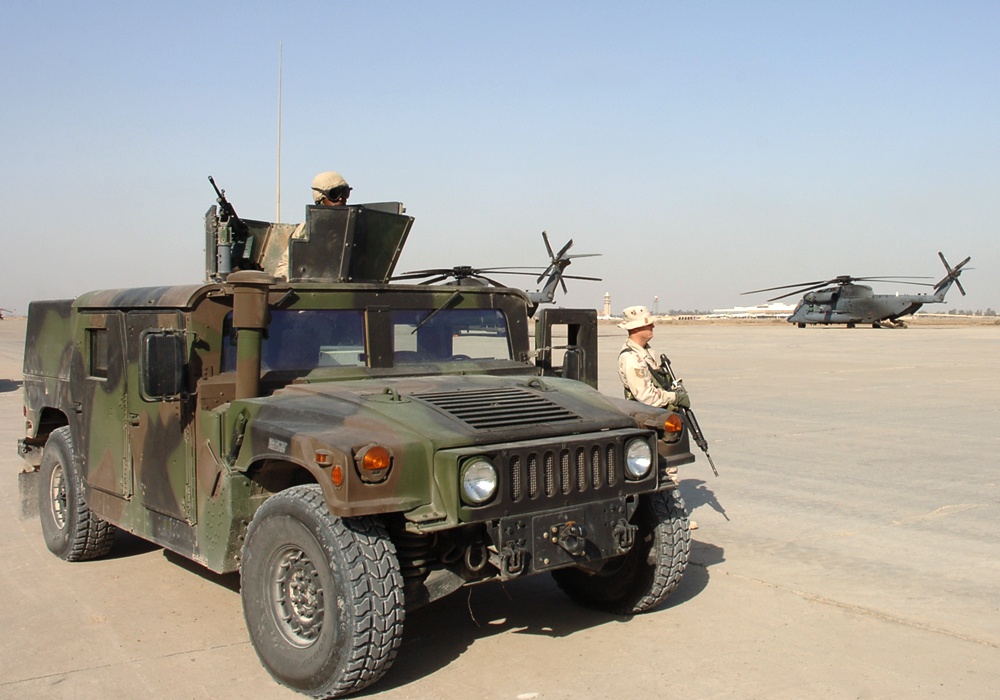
<point>571,536</point>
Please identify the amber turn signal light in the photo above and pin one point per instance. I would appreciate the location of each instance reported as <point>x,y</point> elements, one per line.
<point>337,475</point>
<point>376,458</point>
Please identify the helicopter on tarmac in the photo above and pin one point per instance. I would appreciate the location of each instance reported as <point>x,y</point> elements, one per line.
<point>849,303</point>
<point>553,275</point>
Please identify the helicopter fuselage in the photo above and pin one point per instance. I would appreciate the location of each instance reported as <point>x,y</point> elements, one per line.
<point>856,303</point>
<point>851,303</point>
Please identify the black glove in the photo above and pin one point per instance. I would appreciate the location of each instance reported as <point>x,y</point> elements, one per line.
<point>681,398</point>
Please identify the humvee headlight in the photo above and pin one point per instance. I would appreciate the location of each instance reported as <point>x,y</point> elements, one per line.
<point>479,481</point>
<point>638,458</point>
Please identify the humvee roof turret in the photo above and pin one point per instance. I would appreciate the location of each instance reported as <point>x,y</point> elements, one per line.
<point>351,445</point>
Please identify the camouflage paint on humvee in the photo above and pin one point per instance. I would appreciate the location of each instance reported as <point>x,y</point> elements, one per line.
<point>353,447</point>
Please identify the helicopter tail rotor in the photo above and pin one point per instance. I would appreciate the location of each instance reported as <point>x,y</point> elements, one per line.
<point>952,276</point>
<point>554,275</point>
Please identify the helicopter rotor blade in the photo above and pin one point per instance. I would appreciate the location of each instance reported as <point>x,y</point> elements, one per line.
<point>796,292</point>
<point>582,277</point>
<point>522,268</point>
<point>415,274</point>
<point>789,286</point>
<point>491,281</point>
<point>897,280</point>
<point>841,280</point>
<point>548,248</point>
<point>562,252</point>
<point>890,278</point>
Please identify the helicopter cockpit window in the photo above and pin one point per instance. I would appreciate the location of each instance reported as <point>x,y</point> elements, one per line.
<point>305,340</point>
<point>449,335</point>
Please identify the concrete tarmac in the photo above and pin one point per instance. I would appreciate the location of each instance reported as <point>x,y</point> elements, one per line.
<point>849,549</point>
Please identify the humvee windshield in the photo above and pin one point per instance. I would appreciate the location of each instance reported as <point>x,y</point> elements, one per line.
<point>311,338</point>
<point>449,334</point>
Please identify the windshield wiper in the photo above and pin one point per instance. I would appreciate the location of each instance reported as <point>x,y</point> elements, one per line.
<point>447,303</point>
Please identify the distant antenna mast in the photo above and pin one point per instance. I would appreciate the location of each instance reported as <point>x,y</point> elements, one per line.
<point>277,215</point>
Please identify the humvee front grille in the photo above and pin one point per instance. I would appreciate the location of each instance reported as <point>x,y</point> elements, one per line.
<point>560,471</point>
<point>487,409</point>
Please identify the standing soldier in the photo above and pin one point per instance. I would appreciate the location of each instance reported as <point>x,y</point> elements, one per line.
<point>642,376</point>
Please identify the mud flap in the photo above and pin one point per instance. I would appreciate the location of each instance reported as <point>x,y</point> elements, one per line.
<point>27,487</point>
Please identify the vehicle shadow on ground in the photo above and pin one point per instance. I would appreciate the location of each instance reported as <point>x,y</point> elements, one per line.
<point>230,581</point>
<point>128,545</point>
<point>9,385</point>
<point>436,635</point>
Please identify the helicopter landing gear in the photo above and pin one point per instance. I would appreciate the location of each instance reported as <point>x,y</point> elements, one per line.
<point>889,323</point>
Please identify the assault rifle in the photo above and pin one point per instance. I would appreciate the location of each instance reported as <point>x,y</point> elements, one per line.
<point>688,414</point>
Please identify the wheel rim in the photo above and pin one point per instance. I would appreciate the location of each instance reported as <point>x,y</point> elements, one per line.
<point>296,597</point>
<point>57,497</point>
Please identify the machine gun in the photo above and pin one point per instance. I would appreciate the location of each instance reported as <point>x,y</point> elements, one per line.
<point>687,413</point>
<point>239,232</point>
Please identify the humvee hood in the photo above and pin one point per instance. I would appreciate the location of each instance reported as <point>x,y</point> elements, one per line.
<point>448,410</point>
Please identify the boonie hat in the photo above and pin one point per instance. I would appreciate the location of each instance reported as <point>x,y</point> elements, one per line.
<point>324,182</point>
<point>636,317</point>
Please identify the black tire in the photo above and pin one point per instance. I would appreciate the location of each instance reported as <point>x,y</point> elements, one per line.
<point>644,577</point>
<point>71,531</point>
<point>322,595</point>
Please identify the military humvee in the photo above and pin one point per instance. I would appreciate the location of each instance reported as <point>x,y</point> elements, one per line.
<point>353,446</point>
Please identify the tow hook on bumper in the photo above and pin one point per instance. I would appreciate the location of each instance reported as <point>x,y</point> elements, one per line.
<point>511,560</point>
<point>624,534</point>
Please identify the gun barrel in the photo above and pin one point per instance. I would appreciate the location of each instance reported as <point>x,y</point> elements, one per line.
<point>699,437</point>
<point>220,193</point>
<point>688,414</point>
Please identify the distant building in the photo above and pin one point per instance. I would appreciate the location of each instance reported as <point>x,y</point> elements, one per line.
<point>773,310</point>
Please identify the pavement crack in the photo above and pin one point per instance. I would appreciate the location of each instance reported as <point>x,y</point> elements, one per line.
<point>864,611</point>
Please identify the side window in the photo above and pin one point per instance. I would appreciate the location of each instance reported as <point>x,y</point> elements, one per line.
<point>305,339</point>
<point>97,340</point>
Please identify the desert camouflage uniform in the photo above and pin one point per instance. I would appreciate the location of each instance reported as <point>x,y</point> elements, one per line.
<point>637,368</point>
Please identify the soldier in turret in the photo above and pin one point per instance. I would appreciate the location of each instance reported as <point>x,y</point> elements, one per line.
<point>329,189</point>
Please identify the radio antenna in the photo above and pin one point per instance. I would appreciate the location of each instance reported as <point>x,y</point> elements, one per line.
<point>277,214</point>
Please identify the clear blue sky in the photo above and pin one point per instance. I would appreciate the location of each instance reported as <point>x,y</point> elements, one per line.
<point>704,148</point>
